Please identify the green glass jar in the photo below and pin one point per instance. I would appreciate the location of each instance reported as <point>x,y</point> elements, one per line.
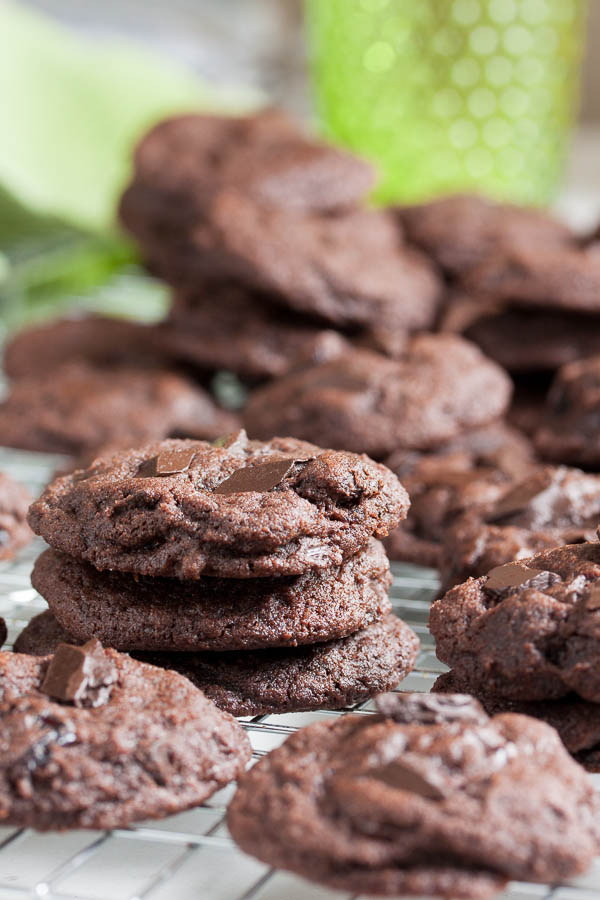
<point>448,95</point>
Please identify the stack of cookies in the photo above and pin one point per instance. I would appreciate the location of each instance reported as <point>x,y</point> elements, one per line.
<point>267,240</point>
<point>525,637</point>
<point>253,568</point>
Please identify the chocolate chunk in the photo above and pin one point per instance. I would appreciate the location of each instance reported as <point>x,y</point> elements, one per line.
<point>169,462</point>
<point>504,579</point>
<point>83,675</point>
<point>263,477</point>
<point>402,777</point>
<point>235,440</point>
<point>519,497</point>
<point>430,709</point>
<point>592,602</point>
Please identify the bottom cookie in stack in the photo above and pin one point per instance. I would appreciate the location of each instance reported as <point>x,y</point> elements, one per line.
<point>331,675</point>
<point>254,646</point>
<point>525,638</point>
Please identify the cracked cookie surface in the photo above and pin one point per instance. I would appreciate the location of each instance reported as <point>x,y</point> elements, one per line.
<point>245,509</point>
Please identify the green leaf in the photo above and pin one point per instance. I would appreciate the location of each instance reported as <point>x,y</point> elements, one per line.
<point>71,110</point>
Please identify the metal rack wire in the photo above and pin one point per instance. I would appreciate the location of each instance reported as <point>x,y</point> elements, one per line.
<point>190,856</point>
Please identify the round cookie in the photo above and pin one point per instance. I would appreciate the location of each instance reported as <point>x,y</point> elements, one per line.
<point>577,721</point>
<point>96,340</point>
<point>570,428</point>
<point>121,741</point>
<point>527,630</point>
<point>82,407</point>
<point>469,471</point>
<point>185,158</point>
<point>550,507</point>
<point>549,277</point>
<point>213,613</point>
<point>242,332</point>
<point>428,797</point>
<point>462,230</point>
<point>441,386</point>
<point>350,271</point>
<point>244,509</point>
<point>523,340</point>
<point>320,676</point>
<point>14,530</point>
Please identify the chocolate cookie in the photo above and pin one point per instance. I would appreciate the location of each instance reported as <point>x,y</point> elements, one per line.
<point>523,340</point>
<point>549,277</point>
<point>214,613</point>
<point>243,332</point>
<point>441,386</point>
<point>184,159</point>
<point>527,630</point>
<point>242,509</point>
<point>81,408</point>
<point>577,721</point>
<point>430,796</point>
<point>348,270</point>
<point>548,508</point>
<point>467,472</point>
<point>94,739</point>
<point>97,340</point>
<point>570,430</point>
<point>461,231</point>
<point>42,635</point>
<point>321,676</point>
<point>14,530</point>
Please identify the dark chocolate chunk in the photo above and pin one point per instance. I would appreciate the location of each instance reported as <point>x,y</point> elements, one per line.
<point>263,477</point>
<point>83,675</point>
<point>430,709</point>
<point>169,462</point>
<point>402,777</point>
<point>521,495</point>
<point>504,579</point>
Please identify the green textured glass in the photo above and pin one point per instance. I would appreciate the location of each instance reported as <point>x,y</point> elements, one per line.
<point>448,95</point>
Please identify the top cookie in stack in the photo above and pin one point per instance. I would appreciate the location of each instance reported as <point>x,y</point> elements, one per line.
<point>193,552</point>
<point>246,216</point>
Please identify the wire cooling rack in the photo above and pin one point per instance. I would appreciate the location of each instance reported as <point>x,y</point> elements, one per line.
<point>190,856</point>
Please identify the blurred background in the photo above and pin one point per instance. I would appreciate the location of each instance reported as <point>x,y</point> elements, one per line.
<point>443,94</point>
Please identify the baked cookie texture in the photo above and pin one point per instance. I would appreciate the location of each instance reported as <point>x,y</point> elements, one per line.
<point>535,340</point>
<point>14,530</point>
<point>440,387</point>
<point>570,430</point>
<point>577,721</point>
<point>551,506</point>
<point>348,270</point>
<point>214,613</point>
<point>93,339</point>
<point>330,675</point>
<point>245,509</point>
<point>463,230</point>
<point>468,472</point>
<point>528,630</point>
<point>184,159</point>
<point>549,277</point>
<point>82,407</point>
<point>144,744</point>
<point>430,796</point>
<point>243,332</point>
